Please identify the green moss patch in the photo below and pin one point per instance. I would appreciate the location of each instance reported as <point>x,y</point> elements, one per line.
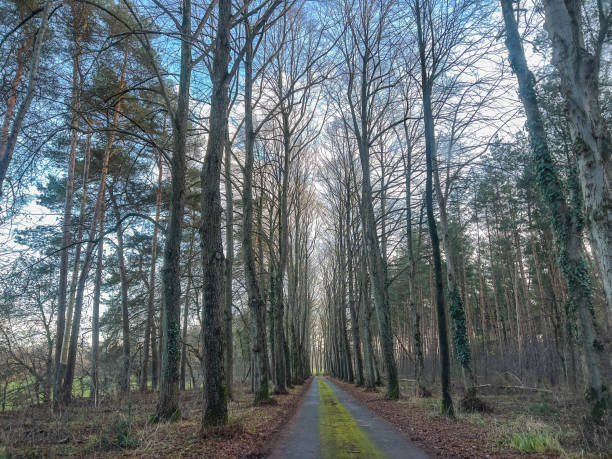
<point>341,437</point>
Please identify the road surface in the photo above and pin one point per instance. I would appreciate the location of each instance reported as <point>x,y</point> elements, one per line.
<point>331,424</point>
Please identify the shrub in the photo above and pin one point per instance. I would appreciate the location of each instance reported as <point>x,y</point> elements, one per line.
<point>120,433</point>
<point>123,434</point>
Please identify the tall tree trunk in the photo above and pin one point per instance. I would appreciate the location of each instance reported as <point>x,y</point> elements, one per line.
<point>73,332</point>
<point>155,353</point>
<point>95,321</point>
<point>186,316</point>
<point>261,279</point>
<point>215,392</point>
<point>229,261</point>
<point>167,402</point>
<point>456,308</point>
<point>6,152</point>
<point>579,72</point>
<point>78,241</point>
<point>63,317</point>
<point>343,291</point>
<point>376,265</point>
<point>257,306</point>
<point>124,381</point>
<point>280,367</point>
<point>499,323</point>
<point>482,304</point>
<point>430,146</point>
<point>12,96</point>
<point>566,219</point>
<point>419,362</point>
<point>366,310</point>
<point>355,324</point>
<point>149,337</point>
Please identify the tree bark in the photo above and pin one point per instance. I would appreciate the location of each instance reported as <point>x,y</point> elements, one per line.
<point>215,392</point>
<point>229,261</point>
<point>579,71</point>
<point>12,97</point>
<point>280,367</point>
<point>355,325</point>
<point>343,306</point>
<point>184,357</point>
<point>366,310</point>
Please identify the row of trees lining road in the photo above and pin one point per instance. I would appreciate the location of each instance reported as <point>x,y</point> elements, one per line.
<point>370,189</point>
<point>436,85</point>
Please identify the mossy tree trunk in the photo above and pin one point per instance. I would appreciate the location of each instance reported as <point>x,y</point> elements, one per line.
<point>430,151</point>
<point>567,220</point>
<point>456,307</point>
<point>579,69</point>
<point>168,403</point>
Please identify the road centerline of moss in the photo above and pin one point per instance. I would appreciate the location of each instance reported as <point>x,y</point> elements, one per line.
<point>340,435</point>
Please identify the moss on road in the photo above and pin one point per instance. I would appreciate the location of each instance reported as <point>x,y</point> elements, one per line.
<point>341,437</point>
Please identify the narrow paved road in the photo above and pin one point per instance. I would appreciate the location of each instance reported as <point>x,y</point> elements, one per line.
<point>332,424</point>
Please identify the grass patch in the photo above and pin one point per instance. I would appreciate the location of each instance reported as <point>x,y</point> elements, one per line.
<point>432,405</point>
<point>544,406</point>
<point>121,433</point>
<point>538,442</point>
<point>341,437</point>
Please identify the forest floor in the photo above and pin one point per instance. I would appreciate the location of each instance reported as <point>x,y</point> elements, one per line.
<point>535,423</point>
<point>120,428</point>
<point>520,423</point>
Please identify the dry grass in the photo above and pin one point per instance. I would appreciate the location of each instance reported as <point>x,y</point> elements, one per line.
<point>548,422</point>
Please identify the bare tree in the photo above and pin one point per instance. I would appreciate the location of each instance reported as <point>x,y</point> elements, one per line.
<point>369,61</point>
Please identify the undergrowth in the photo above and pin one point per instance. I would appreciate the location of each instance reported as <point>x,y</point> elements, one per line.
<point>120,433</point>
<point>544,405</point>
<point>538,442</point>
